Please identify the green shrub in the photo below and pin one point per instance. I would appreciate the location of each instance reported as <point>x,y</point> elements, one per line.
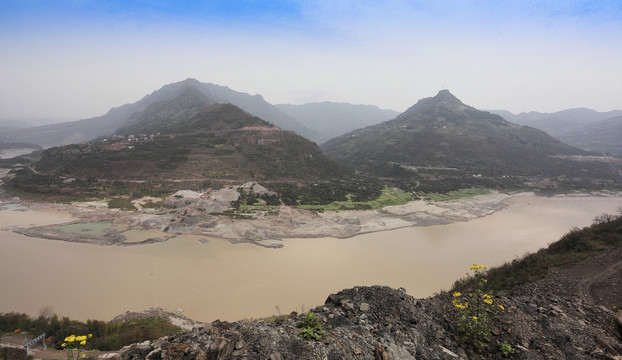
<point>311,327</point>
<point>506,349</point>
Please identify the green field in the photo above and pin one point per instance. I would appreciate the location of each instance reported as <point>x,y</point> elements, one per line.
<point>457,194</point>
<point>389,196</point>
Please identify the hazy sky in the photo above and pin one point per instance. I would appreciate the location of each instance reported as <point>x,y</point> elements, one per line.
<point>62,58</point>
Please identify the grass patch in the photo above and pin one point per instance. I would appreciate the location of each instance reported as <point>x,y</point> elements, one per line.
<point>394,196</point>
<point>277,319</point>
<point>457,194</point>
<point>257,207</point>
<point>389,196</point>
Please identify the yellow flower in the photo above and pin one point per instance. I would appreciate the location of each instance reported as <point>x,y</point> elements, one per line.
<point>474,317</point>
<point>458,305</point>
<point>486,296</point>
<point>63,344</point>
<point>90,336</point>
<point>83,355</point>
<point>457,294</point>
<point>488,301</point>
<point>501,307</point>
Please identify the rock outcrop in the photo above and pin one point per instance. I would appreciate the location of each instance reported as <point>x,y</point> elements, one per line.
<point>540,322</point>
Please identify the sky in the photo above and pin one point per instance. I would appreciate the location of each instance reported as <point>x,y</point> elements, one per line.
<point>79,58</point>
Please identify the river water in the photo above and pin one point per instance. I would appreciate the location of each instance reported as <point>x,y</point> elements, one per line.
<point>220,280</point>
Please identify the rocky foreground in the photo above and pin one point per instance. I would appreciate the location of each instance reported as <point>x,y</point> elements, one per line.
<point>549,319</point>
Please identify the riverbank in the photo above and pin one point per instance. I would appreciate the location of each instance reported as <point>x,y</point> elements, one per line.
<point>200,215</point>
<point>94,223</point>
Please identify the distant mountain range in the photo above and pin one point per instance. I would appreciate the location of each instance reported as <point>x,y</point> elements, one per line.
<point>442,139</point>
<point>88,129</point>
<point>193,131</point>
<point>604,136</point>
<point>318,122</point>
<point>584,128</point>
<point>330,119</point>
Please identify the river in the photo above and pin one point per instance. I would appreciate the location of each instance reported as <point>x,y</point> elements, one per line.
<point>220,280</point>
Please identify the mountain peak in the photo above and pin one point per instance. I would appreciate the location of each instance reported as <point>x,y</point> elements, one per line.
<point>190,81</point>
<point>444,97</point>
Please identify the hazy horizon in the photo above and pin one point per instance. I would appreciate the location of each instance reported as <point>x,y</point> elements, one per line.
<point>78,59</point>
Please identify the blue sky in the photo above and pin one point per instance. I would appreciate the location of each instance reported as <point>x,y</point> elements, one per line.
<point>79,58</point>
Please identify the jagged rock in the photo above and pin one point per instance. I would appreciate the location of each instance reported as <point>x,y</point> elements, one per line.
<point>396,326</point>
<point>449,352</point>
<point>364,307</point>
<point>398,352</point>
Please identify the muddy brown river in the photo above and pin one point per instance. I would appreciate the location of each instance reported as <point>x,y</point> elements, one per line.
<point>220,280</point>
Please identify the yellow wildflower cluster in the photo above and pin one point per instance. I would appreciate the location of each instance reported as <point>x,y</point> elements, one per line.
<point>81,339</point>
<point>456,302</point>
<point>478,267</point>
<point>75,343</point>
<point>474,310</point>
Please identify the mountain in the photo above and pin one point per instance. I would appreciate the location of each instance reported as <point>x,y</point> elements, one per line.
<point>440,139</point>
<point>330,119</point>
<point>604,136</point>
<point>88,129</point>
<point>558,123</point>
<point>583,128</point>
<point>191,139</point>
